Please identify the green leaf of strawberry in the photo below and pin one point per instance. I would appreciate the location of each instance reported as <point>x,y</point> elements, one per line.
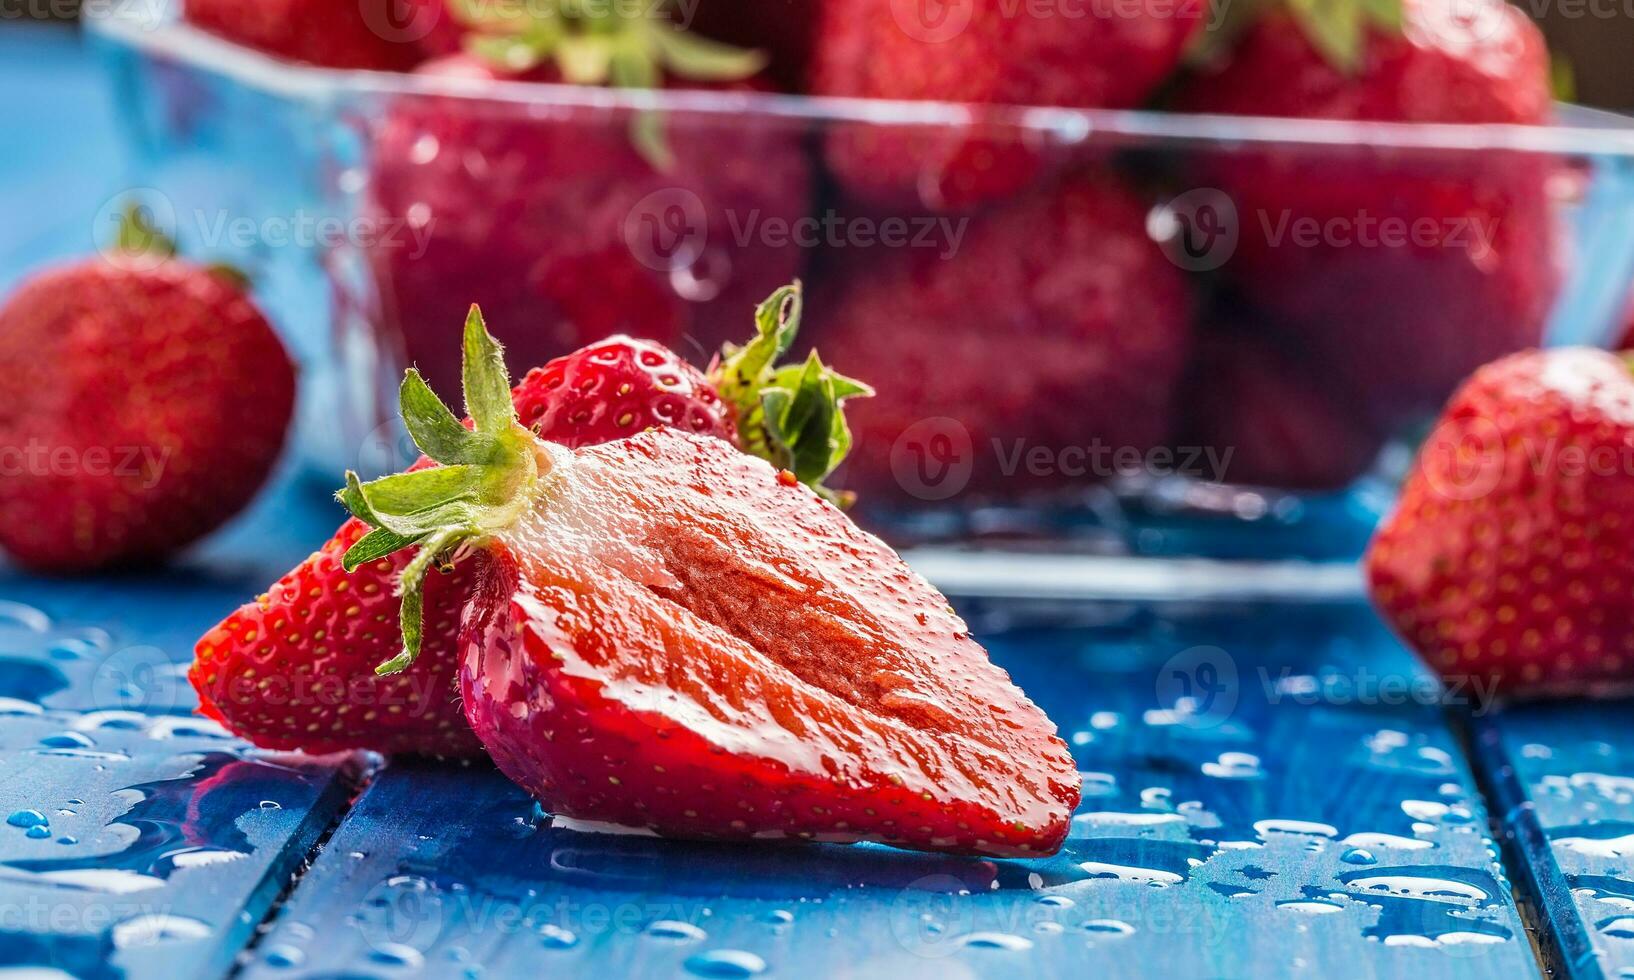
<point>601,44</point>
<point>489,470</point>
<point>605,44</point>
<point>791,416</point>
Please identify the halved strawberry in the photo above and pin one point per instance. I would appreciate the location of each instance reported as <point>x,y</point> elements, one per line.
<point>296,668</point>
<point>674,635</point>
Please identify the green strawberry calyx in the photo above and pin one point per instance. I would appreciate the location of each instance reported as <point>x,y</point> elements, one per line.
<point>138,237</point>
<point>490,474</point>
<point>597,42</point>
<point>792,416</point>
<point>483,485</point>
<point>138,240</point>
<point>1338,29</point>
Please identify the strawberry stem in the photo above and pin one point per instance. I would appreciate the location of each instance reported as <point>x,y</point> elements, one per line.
<point>482,486</point>
<point>139,237</point>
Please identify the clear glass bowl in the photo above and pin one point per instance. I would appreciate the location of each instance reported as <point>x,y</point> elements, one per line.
<point>1103,332</point>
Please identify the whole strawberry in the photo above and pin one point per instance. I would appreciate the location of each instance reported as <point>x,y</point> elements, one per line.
<point>984,54</point>
<point>383,35</point>
<point>1052,327</point>
<point>1510,559</point>
<point>1269,419</point>
<point>584,222</point>
<point>295,669</point>
<point>146,401</point>
<point>1403,269</point>
<point>674,635</point>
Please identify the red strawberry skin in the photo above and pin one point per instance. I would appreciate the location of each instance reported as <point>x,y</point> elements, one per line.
<point>1282,425</point>
<point>1056,322</point>
<point>439,31</point>
<point>1478,283</point>
<point>143,408</point>
<point>294,670</point>
<point>382,35</point>
<point>564,233</point>
<point>1510,558</point>
<point>1004,55</point>
<point>682,639</point>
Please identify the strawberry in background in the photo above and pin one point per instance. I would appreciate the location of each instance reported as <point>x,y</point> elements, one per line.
<point>381,35</point>
<point>146,401</point>
<point>1509,560</point>
<point>986,54</point>
<point>584,222</point>
<point>1052,322</point>
<point>1471,270</point>
<point>1283,423</point>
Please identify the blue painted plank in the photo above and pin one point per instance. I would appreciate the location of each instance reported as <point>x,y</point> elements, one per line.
<point>1286,797</point>
<point>1563,777</point>
<point>63,156</point>
<point>169,860</point>
<point>147,846</point>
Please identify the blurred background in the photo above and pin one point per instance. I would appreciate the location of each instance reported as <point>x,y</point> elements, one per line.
<point>1075,238</point>
<point>1591,41</point>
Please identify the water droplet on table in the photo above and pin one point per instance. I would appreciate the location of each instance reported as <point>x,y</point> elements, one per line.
<point>283,956</point>
<point>727,964</point>
<point>397,954</point>
<point>996,940</point>
<point>155,928</point>
<point>676,931</point>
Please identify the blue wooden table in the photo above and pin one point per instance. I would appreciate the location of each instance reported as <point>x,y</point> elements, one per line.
<point>1269,788</point>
